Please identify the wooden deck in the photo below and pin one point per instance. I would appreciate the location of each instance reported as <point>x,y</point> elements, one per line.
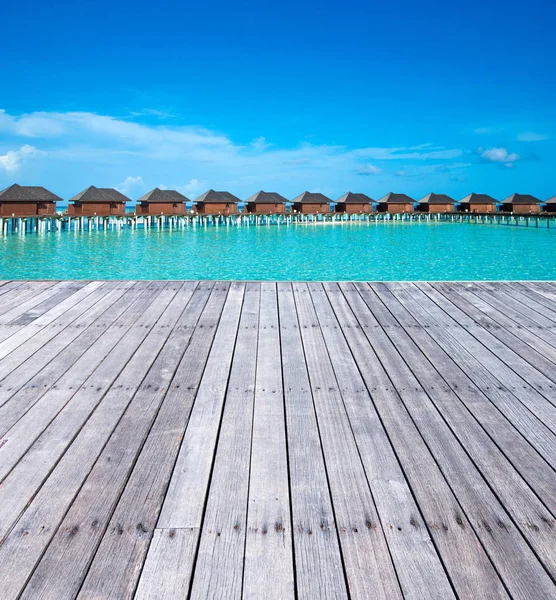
<point>290,440</point>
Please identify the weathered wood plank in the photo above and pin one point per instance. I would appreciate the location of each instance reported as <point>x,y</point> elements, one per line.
<point>184,504</point>
<point>27,475</point>
<point>528,345</point>
<point>10,341</point>
<point>219,567</point>
<point>318,559</point>
<point>417,563</point>
<point>399,324</point>
<point>21,295</point>
<point>368,566</point>
<point>505,304</point>
<point>85,523</point>
<point>500,535</point>
<point>469,567</point>
<point>502,396</point>
<point>33,360</point>
<point>31,534</point>
<point>26,302</point>
<point>47,401</point>
<point>529,515</point>
<point>528,384</point>
<point>64,290</point>
<point>268,544</point>
<point>126,540</point>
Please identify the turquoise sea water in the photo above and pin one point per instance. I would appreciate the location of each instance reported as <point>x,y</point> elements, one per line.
<point>347,251</point>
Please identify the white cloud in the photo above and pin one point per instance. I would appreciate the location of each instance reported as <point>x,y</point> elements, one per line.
<point>530,136</point>
<point>190,189</point>
<point>260,143</point>
<point>369,169</point>
<point>12,160</point>
<point>498,155</point>
<point>111,147</point>
<point>130,184</point>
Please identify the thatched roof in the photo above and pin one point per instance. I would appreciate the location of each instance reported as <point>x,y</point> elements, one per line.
<point>27,193</point>
<point>521,199</point>
<point>266,198</point>
<point>551,200</point>
<point>312,198</point>
<point>393,198</point>
<point>355,198</point>
<point>478,199</point>
<point>212,197</point>
<point>437,199</point>
<point>94,194</point>
<point>163,196</point>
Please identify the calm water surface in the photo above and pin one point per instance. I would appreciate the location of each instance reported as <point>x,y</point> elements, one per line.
<point>348,251</point>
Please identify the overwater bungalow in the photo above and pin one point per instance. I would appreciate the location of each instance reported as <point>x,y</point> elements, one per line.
<point>161,202</point>
<point>102,202</point>
<point>395,203</point>
<point>216,203</point>
<point>311,203</point>
<point>478,203</point>
<point>27,201</point>
<point>550,205</point>
<point>265,203</point>
<point>436,203</point>
<point>354,203</point>
<point>521,203</point>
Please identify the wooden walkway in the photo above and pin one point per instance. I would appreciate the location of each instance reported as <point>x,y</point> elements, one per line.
<point>290,440</point>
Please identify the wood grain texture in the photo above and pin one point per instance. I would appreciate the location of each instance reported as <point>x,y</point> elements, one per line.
<point>167,439</point>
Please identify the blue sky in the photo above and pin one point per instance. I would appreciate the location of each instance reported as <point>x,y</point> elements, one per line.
<point>372,97</point>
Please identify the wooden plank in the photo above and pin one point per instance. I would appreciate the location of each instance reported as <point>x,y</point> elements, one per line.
<point>318,560</point>
<point>29,538</point>
<point>417,563</point>
<point>542,307</point>
<point>56,383</point>
<point>528,513</point>
<point>368,566</point>
<point>528,345</point>
<point>463,555</point>
<point>184,504</point>
<point>511,371</point>
<point>219,565</point>
<point>512,305</point>
<point>502,537</point>
<point>126,540</point>
<point>9,341</point>
<point>399,324</point>
<point>56,576</point>
<point>505,304</point>
<point>502,396</point>
<point>20,395</point>
<point>527,289</point>
<point>32,357</point>
<point>26,476</point>
<point>268,544</point>
<point>21,294</point>
<point>63,291</point>
<point>27,301</point>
